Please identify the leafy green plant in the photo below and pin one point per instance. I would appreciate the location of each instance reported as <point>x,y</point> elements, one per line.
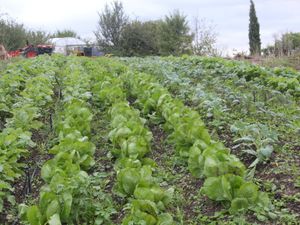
<point>255,139</point>
<point>206,158</point>
<point>16,137</point>
<point>146,212</point>
<point>65,194</point>
<point>213,161</point>
<point>241,194</point>
<point>131,140</point>
<point>71,119</point>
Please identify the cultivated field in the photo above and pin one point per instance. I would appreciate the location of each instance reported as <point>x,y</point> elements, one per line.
<point>157,140</point>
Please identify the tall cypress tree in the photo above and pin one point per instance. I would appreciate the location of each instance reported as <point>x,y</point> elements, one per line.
<point>254,35</point>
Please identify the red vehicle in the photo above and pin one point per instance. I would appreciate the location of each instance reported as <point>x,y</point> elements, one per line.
<point>32,51</point>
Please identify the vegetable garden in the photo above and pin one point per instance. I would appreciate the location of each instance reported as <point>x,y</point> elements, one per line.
<point>173,140</point>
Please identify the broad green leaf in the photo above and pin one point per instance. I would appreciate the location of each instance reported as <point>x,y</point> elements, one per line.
<point>46,197</point>
<point>196,162</point>
<point>47,171</point>
<point>128,178</point>
<point>165,219</point>
<point>67,205</point>
<point>22,209</point>
<point>146,206</point>
<point>54,220</point>
<point>34,215</point>
<point>238,205</point>
<point>265,152</point>
<point>248,191</point>
<point>227,188</point>
<point>211,166</point>
<point>212,187</point>
<point>53,208</point>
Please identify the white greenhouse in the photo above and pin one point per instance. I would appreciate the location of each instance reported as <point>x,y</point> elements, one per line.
<point>67,45</point>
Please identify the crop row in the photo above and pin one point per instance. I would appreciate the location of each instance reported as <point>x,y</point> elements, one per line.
<point>228,102</point>
<point>282,79</point>
<point>224,174</point>
<point>15,77</point>
<point>63,198</point>
<point>131,143</point>
<point>15,139</point>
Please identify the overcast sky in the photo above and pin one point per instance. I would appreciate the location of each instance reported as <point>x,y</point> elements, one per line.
<point>229,16</point>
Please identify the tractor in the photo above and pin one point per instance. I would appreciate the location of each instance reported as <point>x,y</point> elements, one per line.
<point>30,51</point>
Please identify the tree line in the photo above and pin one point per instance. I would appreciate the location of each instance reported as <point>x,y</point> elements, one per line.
<point>117,34</point>
<point>14,35</point>
<point>286,44</point>
<point>172,35</point>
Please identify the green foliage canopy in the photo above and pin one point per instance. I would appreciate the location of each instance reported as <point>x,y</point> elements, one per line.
<point>174,38</point>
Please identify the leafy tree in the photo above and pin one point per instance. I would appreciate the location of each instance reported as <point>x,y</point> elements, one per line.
<point>110,26</point>
<point>37,37</point>
<point>140,39</point>
<point>174,38</point>
<point>285,45</point>
<point>12,34</point>
<point>65,33</point>
<point>254,35</point>
<point>204,38</point>
<point>295,38</point>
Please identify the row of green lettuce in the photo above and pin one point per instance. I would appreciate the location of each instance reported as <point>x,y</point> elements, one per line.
<point>225,175</point>
<point>63,198</point>
<point>25,110</point>
<point>16,75</point>
<point>131,143</point>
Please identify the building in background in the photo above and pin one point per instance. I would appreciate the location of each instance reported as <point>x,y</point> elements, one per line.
<point>74,46</point>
